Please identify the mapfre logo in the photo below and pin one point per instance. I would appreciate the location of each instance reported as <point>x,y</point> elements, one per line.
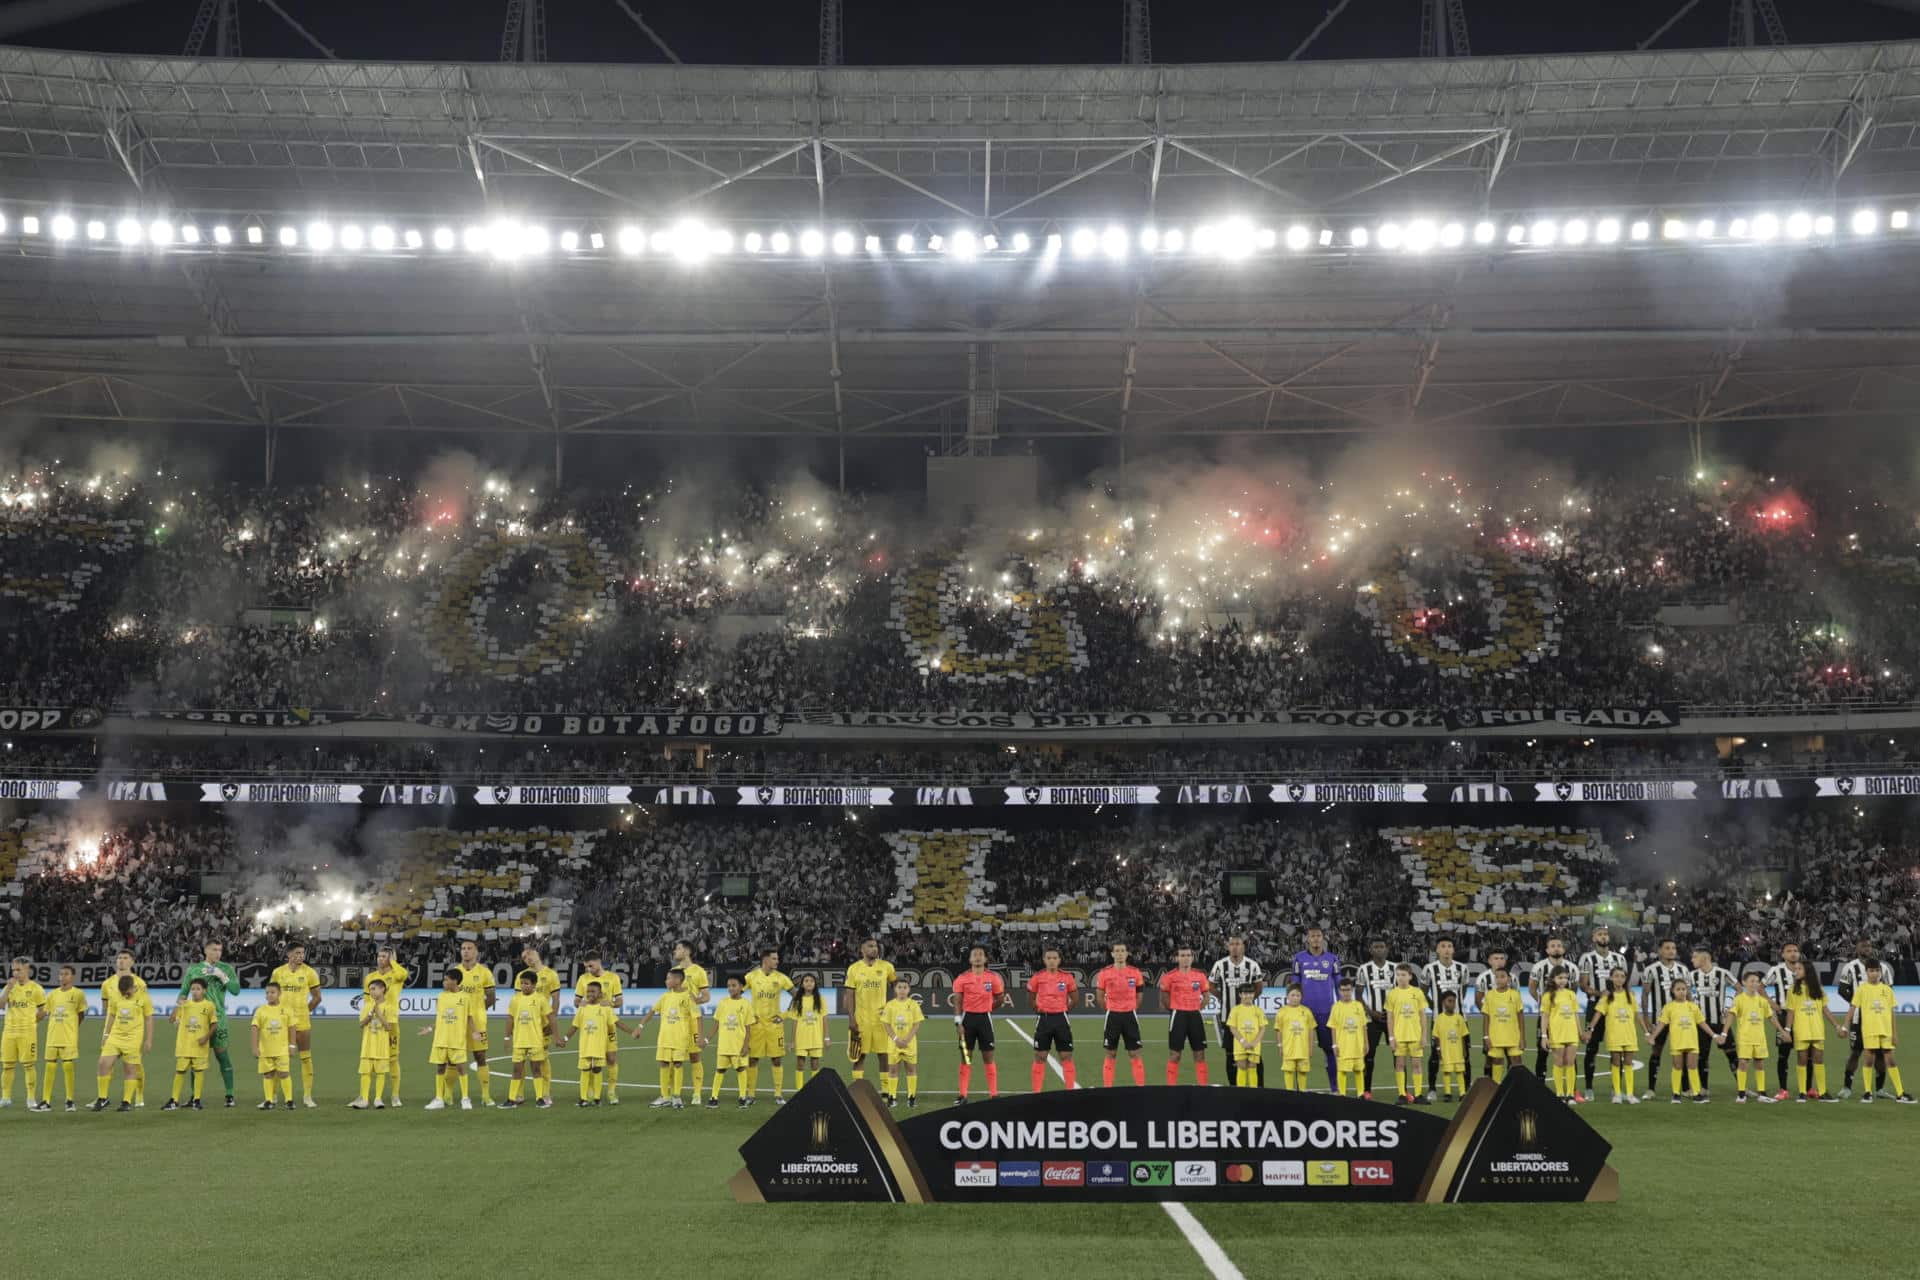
<point>1063,1173</point>
<point>1283,1173</point>
<point>1372,1173</point>
<point>976,1174</point>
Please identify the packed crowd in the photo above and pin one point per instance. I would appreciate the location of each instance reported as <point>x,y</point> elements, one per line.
<point>470,592</point>
<point>815,888</point>
<point>454,761</point>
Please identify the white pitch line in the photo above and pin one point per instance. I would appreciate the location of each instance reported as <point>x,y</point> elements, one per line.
<point>1212,1256</point>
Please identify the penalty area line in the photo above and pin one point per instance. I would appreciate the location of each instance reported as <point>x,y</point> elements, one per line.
<point>1212,1256</point>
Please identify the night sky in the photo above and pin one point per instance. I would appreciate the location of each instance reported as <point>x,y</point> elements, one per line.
<point>784,32</point>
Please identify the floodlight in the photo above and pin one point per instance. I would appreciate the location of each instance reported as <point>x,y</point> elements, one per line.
<point>843,242</point>
<point>1864,222</point>
<point>1483,232</point>
<point>1084,242</point>
<point>1390,235</point>
<point>1575,232</point>
<point>256,234</point>
<point>754,242</point>
<point>352,237</point>
<point>1544,232</point>
<point>1298,238</point>
<point>570,241</point>
<point>1021,242</point>
<point>963,244</point>
<point>96,230</point>
<point>1452,235</point>
<point>1421,234</point>
<point>62,227</point>
<point>319,237</point>
<point>128,231</point>
<point>1766,226</point>
<point>780,242</point>
<point>190,234</point>
<point>1113,242</point>
<point>812,242</point>
<point>631,240</point>
<point>382,238</point>
<point>1799,225</point>
<point>903,243</point>
<point>1640,230</point>
<point>1358,237</point>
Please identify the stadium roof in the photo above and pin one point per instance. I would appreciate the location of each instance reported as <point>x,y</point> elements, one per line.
<point>1688,325</point>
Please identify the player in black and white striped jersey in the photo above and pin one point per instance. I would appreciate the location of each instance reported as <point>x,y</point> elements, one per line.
<point>1442,975</point>
<point>1496,960</point>
<point>1230,974</point>
<point>1851,975</point>
<point>1713,990</point>
<point>1540,980</point>
<point>1373,980</point>
<point>1779,984</point>
<point>1656,988</point>
<point>1596,965</point>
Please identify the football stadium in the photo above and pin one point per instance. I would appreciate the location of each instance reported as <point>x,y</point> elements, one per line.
<point>890,643</point>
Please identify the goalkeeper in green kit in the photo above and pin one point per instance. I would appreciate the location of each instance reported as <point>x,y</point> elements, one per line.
<point>222,981</point>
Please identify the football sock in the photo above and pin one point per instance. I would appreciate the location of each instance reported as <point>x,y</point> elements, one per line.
<point>1676,1074</point>
<point>1106,1074</point>
<point>366,1083</point>
<point>611,1074</point>
<point>225,1060</point>
<point>1066,1069</point>
<point>699,1070</point>
<point>1616,1078</point>
<point>1866,1082</point>
<point>666,1080</point>
<point>103,1085</point>
<point>1820,1078</point>
<point>1400,1081</point>
<point>740,1082</point>
<point>1039,1076</point>
<point>1173,1073</point>
<point>1419,1080</point>
<point>993,1080</point>
<point>720,1078</point>
<point>859,1071</point>
<point>463,1087</point>
<point>379,1085</point>
<point>1139,1072</point>
<point>913,1084</point>
<point>1740,1079</point>
<point>266,1087</point>
<point>1200,1070</point>
<point>1499,1071</point>
<point>286,1088</point>
<point>306,1074</point>
<point>393,1076</point>
<point>179,1083</point>
<point>513,1088</point>
<point>799,1077</point>
<point>486,1081</point>
<point>966,1078</point>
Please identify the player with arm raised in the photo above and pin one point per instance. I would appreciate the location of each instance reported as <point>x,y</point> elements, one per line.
<point>1119,985</point>
<point>222,980</point>
<point>1053,990</point>
<point>392,975</point>
<point>1597,965</point>
<point>979,991</point>
<point>1441,976</point>
<point>1229,974</point>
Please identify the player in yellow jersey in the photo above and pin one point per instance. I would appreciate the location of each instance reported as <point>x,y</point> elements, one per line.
<point>26,1004</point>
<point>869,983</point>
<point>1349,1018</point>
<point>1747,1019</point>
<point>546,984</point>
<point>679,1035</point>
<point>900,1020</point>
<point>1683,1020</point>
<point>696,985</point>
<point>1560,1028</point>
<point>1809,1017</point>
<point>453,1032</point>
<point>768,1041</point>
<point>733,1023</point>
<point>1295,1028</point>
<point>1872,1011</point>
<point>193,1020</point>
<point>476,983</point>
<point>66,1010</point>
<point>272,1040</point>
<point>530,1023</point>
<point>807,1011</point>
<point>109,994</point>
<point>1503,1011</point>
<point>1450,1035</point>
<point>377,1056</point>
<point>612,991</point>
<point>128,1037</point>
<point>1407,1013</point>
<point>1618,1020</point>
<point>300,993</point>
<point>389,971</point>
<point>1247,1024</point>
<point>597,1024</point>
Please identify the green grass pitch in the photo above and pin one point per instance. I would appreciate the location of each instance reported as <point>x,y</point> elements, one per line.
<point>1719,1190</point>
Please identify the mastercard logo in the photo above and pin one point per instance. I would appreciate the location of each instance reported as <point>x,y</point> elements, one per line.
<point>1239,1173</point>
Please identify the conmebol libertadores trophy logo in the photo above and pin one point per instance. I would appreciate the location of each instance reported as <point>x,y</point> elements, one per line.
<point>1512,1141</point>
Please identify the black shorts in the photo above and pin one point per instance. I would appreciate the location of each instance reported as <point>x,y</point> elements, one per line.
<point>1122,1028</point>
<point>1054,1032</point>
<point>976,1030</point>
<point>1186,1029</point>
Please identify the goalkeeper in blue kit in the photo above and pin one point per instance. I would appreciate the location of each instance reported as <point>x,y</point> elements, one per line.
<point>221,980</point>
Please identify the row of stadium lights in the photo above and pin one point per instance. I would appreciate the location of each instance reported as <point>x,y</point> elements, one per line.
<point>693,241</point>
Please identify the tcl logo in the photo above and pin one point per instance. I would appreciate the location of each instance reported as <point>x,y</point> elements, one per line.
<point>1373,1173</point>
<point>1063,1173</point>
